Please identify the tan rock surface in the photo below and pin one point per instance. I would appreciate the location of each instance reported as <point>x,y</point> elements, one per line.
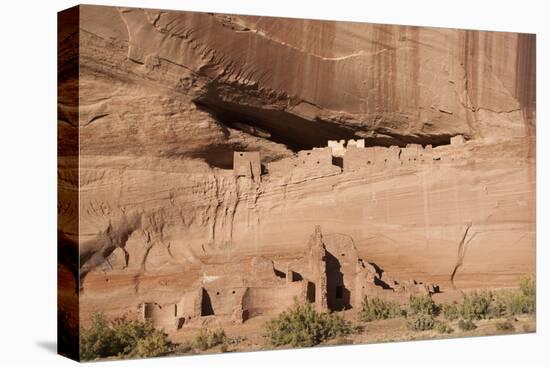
<point>167,97</point>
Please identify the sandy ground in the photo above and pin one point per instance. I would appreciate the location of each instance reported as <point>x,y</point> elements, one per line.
<point>249,336</point>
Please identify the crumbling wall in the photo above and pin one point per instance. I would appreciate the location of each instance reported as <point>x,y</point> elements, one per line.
<point>358,158</point>
<point>162,316</point>
<point>337,147</point>
<point>263,271</point>
<point>457,140</point>
<point>372,159</point>
<point>247,164</point>
<point>410,155</point>
<point>190,304</point>
<point>225,300</point>
<point>359,143</point>
<point>306,164</point>
<point>317,268</point>
<point>275,299</point>
<point>316,159</point>
<point>348,278</point>
<point>448,154</point>
<point>426,155</point>
<point>377,159</point>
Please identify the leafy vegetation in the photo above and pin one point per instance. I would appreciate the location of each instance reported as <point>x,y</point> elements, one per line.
<point>207,339</point>
<point>378,309</point>
<point>494,305</point>
<point>303,326</point>
<point>420,322</point>
<point>451,311</point>
<point>122,337</point>
<point>423,305</point>
<point>466,325</point>
<point>523,301</point>
<point>498,307</point>
<point>476,305</point>
<point>443,327</point>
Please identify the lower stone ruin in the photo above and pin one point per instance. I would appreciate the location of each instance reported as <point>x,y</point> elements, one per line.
<point>330,275</point>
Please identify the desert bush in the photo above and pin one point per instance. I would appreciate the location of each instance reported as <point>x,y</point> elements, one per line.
<point>302,326</point>
<point>97,341</point>
<point>528,286</point>
<point>497,308</point>
<point>378,309</point>
<point>466,325</point>
<point>153,345</point>
<point>451,311</point>
<point>443,327</point>
<point>423,305</point>
<point>207,339</point>
<point>420,322</point>
<point>524,300</point>
<point>121,337</point>
<point>476,305</point>
<point>505,326</point>
<point>127,334</point>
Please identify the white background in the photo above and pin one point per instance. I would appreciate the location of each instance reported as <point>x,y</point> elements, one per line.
<point>28,182</point>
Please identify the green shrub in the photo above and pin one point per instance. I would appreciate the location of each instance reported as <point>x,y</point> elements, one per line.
<point>523,301</point>
<point>475,305</point>
<point>420,322</point>
<point>497,308</point>
<point>494,305</point>
<point>423,305</point>
<point>122,337</point>
<point>154,345</point>
<point>378,309</point>
<point>466,325</point>
<point>207,339</point>
<point>451,311</point>
<point>528,286</point>
<point>505,326</point>
<point>127,334</point>
<point>302,326</point>
<point>98,341</point>
<point>443,327</point>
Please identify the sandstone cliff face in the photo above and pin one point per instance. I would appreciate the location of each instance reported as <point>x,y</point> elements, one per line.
<point>166,97</point>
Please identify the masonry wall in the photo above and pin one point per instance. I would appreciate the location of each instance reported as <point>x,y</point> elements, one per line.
<point>247,164</point>
<point>377,159</point>
<point>190,304</point>
<point>306,164</point>
<point>373,159</point>
<point>354,155</point>
<point>225,301</point>
<point>273,300</point>
<point>162,316</point>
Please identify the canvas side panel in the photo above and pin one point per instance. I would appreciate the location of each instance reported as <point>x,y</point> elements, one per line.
<point>68,183</point>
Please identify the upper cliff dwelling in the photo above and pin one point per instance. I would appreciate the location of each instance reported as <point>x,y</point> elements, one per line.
<point>342,156</point>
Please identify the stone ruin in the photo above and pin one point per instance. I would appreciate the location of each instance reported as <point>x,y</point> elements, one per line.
<point>247,164</point>
<point>352,156</point>
<point>330,274</point>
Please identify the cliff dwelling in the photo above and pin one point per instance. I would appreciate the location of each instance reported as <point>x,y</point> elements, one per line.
<point>330,274</point>
<point>347,156</point>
